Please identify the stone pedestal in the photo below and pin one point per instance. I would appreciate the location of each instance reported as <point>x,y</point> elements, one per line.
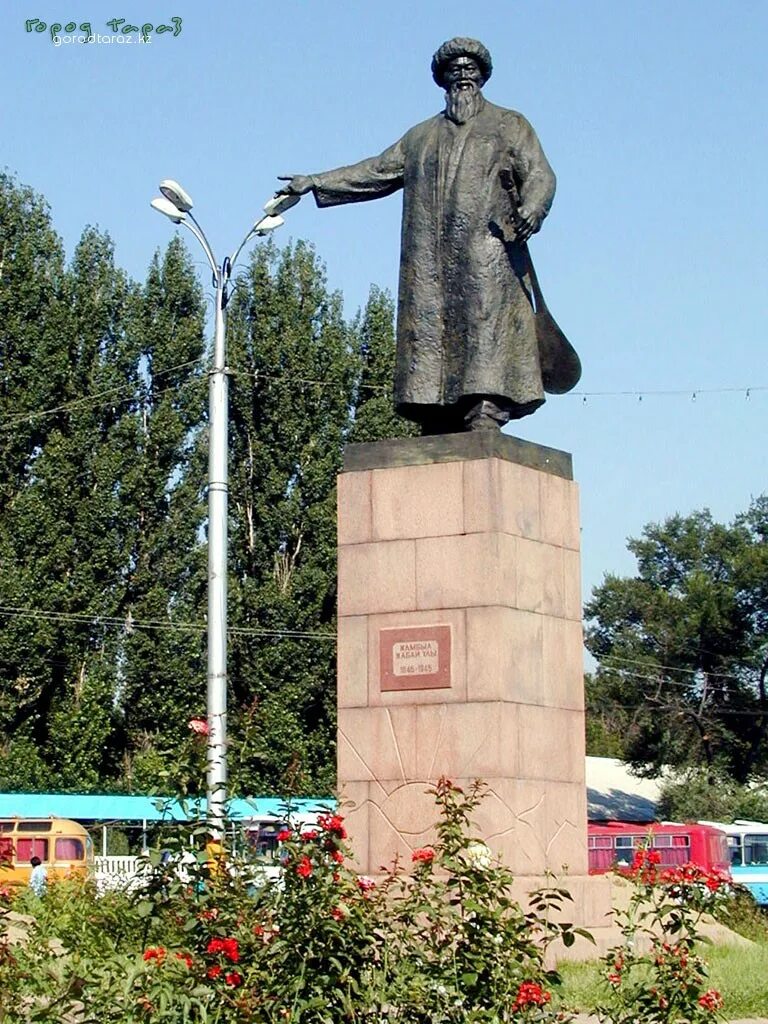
<point>460,648</point>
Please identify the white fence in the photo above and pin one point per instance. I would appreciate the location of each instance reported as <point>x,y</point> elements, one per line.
<point>126,872</point>
<point>117,872</point>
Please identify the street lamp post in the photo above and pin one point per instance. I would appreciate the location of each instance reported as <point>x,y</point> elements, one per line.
<point>176,204</point>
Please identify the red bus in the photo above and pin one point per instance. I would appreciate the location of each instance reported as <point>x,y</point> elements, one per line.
<point>613,844</point>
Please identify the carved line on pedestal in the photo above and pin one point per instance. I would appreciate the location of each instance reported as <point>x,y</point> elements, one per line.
<point>438,741</point>
<point>398,831</point>
<point>532,808</point>
<point>358,755</point>
<point>397,745</point>
<point>534,834</point>
<point>561,827</point>
<point>517,817</point>
<point>381,787</point>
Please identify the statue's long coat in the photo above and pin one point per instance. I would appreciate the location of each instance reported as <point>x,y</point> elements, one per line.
<point>465,323</point>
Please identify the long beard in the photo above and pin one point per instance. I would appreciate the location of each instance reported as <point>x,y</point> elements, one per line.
<point>462,103</point>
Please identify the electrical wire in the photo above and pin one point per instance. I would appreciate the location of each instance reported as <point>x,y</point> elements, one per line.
<point>285,379</point>
<point>96,397</point>
<point>676,392</point>
<point>128,624</point>
<point>669,668</point>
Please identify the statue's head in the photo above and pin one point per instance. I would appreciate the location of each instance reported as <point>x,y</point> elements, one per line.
<point>455,49</point>
<point>462,67</point>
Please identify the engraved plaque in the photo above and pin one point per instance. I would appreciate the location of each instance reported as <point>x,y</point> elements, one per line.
<point>415,658</point>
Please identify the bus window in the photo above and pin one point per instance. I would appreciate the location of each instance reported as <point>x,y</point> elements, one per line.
<point>630,842</point>
<point>34,826</point>
<point>625,849</point>
<point>28,848</point>
<point>69,849</point>
<point>6,850</point>
<point>756,850</point>
<point>734,851</point>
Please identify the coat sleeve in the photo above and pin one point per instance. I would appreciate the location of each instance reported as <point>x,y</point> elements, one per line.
<point>373,178</point>
<point>536,179</point>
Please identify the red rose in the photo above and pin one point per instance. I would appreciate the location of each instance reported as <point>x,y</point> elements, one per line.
<point>530,993</point>
<point>333,823</point>
<point>198,726</point>
<point>213,972</point>
<point>283,835</point>
<point>230,950</point>
<point>711,1000</point>
<point>304,867</point>
<point>234,979</point>
<point>155,953</point>
<point>186,957</point>
<point>337,856</point>
<point>423,856</point>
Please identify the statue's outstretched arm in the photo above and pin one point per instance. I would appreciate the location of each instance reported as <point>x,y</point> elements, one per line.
<point>372,178</point>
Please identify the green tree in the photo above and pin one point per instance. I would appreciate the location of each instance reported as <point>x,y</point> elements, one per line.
<point>374,339</point>
<point>293,373</point>
<point>103,448</point>
<point>162,664</point>
<point>61,538</point>
<point>700,794</point>
<point>606,718</point>
<point>32,371</point>
<point>681,646</point>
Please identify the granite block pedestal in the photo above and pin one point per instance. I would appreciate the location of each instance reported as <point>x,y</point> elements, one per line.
<point>460,651</point>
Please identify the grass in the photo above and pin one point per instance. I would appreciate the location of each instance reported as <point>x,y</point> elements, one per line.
<point>739,973</point>
<point>741,914</point>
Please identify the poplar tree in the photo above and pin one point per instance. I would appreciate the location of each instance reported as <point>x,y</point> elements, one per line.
<point>32,368</point>
<point>162,666</point>
<point>62,542</point>
<point>103,451</point>
<point>374,414</point>
<point>293,375</point>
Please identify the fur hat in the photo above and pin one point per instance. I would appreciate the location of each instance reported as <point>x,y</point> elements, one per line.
<point>461,47</point>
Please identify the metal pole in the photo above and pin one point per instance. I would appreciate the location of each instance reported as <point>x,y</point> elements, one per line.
<point>177,205</point>
<point>218,486</point>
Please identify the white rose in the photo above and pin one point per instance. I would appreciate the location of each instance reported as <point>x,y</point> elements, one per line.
<point>478,856</point>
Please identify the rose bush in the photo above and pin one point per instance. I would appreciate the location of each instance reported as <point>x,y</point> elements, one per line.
<point>440,939</point>
<point>657,976</point>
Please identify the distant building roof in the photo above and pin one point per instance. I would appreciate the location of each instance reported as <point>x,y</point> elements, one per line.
<point>613,792</point>
<point>107,807</point>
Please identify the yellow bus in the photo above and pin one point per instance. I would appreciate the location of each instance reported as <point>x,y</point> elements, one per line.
<point>64,847</point>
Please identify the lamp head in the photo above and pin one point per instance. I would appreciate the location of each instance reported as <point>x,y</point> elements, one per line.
<point>167,208</point>
<point>280,202</point>
<point>266,224</point>
<point>175,194</point>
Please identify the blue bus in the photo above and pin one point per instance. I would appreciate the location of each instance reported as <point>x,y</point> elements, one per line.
<point>748,849</point>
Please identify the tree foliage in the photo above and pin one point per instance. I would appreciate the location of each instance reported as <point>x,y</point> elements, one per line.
<point>681,646</point>
<point>701,795</point>
<point>103,451</point>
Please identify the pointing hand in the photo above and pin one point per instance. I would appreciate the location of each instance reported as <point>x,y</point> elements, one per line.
<point>298,184</point>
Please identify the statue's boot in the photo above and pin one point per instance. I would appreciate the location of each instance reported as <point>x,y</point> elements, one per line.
<point>486,415</point>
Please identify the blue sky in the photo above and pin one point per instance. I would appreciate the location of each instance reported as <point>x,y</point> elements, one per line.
<point>653,259</point>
